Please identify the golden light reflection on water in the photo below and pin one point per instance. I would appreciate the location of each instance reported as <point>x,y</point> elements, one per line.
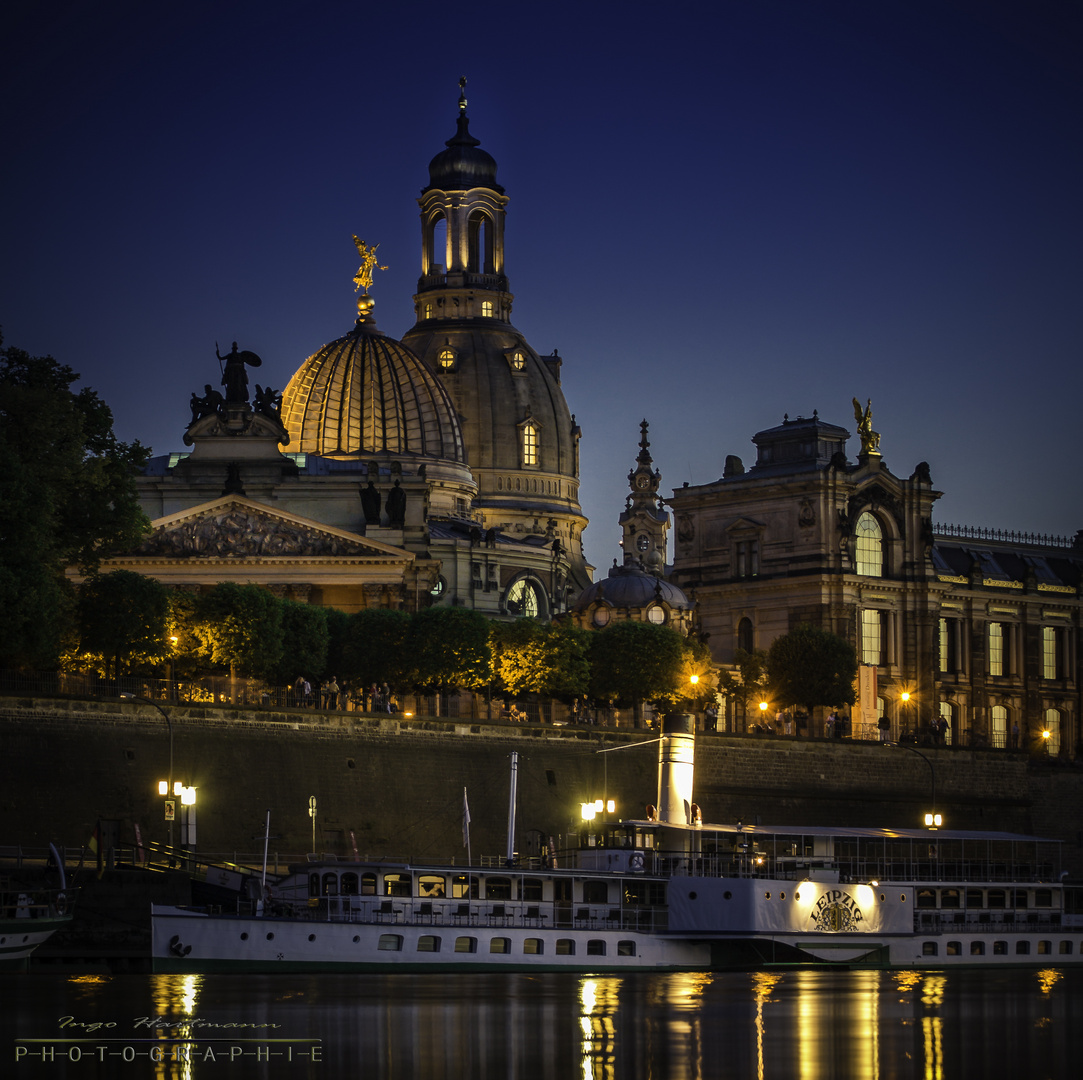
<point>1048,978</point>
<point>173,994</point>
<point>932,1025</point>
<point>820,1049</point>
<point>762,985</point>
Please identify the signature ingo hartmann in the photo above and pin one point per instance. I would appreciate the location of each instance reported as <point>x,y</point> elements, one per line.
<point>159,1023</point>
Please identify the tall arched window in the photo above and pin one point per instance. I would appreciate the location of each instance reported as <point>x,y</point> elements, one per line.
<point>438,252</point>
<point>744,635</point>
<point>996,649</point>
<point>869,551</point>
<point>530,444</point>
<point>998,715</point>
<point>1052,725</point>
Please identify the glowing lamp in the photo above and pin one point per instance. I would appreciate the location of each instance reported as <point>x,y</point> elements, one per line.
<point>933,821</point>
<point>188,796</point>
<point>163,787</point>
<point>611,806</point>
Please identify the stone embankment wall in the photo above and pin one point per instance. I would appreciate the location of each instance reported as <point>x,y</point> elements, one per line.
<point>391,786</point>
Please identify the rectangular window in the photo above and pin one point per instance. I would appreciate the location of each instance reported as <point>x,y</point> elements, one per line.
<point>996,648</point>
<point>1049,653</point>
<point>565,947</point>
<point>500,945</point>
<point>428,943</point>
<point>533,946</point>
<point>1045,948</point>
<point>871,637</point>
<point>530,444</point>
<point>628,948</point>
<point>466,944</point>
<point>928,948</point>
<point>1000,948</point>
<point>595,947</point>
<point>1066,948</point>
<point>390,943</point>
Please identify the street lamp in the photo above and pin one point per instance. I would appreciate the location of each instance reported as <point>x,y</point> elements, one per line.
<point>167,786</point>
<point>933,820</point>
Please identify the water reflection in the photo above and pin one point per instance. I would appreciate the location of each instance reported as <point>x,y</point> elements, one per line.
<point>781,1024</point>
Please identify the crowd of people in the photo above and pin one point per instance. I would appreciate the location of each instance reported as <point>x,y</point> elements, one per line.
<point>334,695</point>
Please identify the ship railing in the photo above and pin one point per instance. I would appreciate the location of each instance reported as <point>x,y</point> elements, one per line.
<point>507,913</point>
<point>991,921</point>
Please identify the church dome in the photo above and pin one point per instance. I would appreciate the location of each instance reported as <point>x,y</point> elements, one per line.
<point>367,393</point>
<point>463,165</point>
<point>631,587</point>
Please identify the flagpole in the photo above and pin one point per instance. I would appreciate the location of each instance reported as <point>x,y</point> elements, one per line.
<point>466,828</point>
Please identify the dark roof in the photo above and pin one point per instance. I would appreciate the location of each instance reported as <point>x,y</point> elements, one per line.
<point>631,587</point>
<point>463,164</point>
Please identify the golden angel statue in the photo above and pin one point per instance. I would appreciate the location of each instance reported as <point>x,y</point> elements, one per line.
<point>870,440</point>
<point>363,278</point>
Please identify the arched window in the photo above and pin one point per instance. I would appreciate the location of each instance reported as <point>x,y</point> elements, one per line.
<point>481,245</point>
<point>525,599</point>
<point>1052,725</point>
<point>530,444</point>
<point>869,551</point>
<point>745,638</point>
<point>998,717</point>
<point>438,252</point>
<point>486,309</point>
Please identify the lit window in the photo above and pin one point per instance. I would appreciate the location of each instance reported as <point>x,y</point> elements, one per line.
<point>999,715</point>
<point>1049,653</point>
<point>870,547</point>
<point>447,359</point>
<point>428,943</point>
<point>428,311</point>
<point>565,947</point>
<point>466,944</point>
<point>486,309</point>
<point>530,444</point>
<point>523,600</point>
<point>518,360</point>
<point>626,948</point>
<point>390,943</point>
<point>1052,725</point>
<point>996,648</point>
<point>500,945</point>
<point>601,616</point>
<point>533,946</point>
<point>871,636</point>
<point>656,614</point>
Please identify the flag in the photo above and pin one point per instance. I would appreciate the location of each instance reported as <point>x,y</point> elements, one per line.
<point>466,822</point>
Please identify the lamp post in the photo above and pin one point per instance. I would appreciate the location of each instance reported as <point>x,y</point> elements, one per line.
<point>166,787</point>
<point>933,820</point>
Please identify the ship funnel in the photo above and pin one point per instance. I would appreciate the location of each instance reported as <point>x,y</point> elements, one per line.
<point>676,763</point>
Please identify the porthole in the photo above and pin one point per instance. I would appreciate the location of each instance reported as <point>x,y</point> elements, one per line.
<point>883,898</point>
<point>782,896</point>
<point>902,898</point>
<point>767,896</point>
<point>311,937</point>
<point>727,895</point>
<point>692,896</point>
<point>446,358</point>
<point>244,936</point>
<point>356,938</point>
<point>270,937</point>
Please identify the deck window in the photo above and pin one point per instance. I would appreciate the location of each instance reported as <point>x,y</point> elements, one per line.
<point>954,948</point>
<point>533,946</point>
<point>926,898</point>
<point>498,888</point>
<point>368,884</point>
<point>397,884</point>
<point>532,888</point>
<point>500,945</point>
<point>949,898</point>
<point>626,948</point>
<point>1000,948</point>
<point>390,943</point>
<point>1065,948</point>
<point>595,947</point>
<point>565,946</point>
<point>1020,898</point>
<point>975,898</point>
<point>1043,897</point>
<point>428,943</point>
<point>348,884</point>
<point>1045,948</point>
<point>595,892</point>
<point>465,887</point>
<point>466,944</point>
<point>432,886</point>
<point>1022,948</point>
<point>977,948</point>
<point>928,948</point>
<point>996,898</point>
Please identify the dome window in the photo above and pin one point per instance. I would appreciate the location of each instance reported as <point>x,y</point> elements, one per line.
<point>517,360</point>
<point>486,309</point>
<point>530,443</point>
<point>600,617</point>
<point>428,311</point>
<point>447,359</point>
<point>656,614</point>
<point>525,599</point>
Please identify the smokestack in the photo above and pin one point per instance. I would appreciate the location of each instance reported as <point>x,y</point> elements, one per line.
<point>676,762</point>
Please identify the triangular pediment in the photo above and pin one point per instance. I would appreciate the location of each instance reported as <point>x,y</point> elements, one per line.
<point>234,527</point>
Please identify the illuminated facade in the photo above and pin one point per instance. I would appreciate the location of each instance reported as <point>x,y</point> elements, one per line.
<point>443,468</point>
<point>979,629</point>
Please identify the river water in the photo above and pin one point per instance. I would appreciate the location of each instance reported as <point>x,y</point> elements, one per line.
<point>793,1025</point>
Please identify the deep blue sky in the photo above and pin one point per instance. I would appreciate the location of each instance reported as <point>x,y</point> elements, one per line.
<point>720,213</point>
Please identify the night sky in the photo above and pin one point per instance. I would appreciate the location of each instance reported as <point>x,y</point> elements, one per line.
<point>720,213</point>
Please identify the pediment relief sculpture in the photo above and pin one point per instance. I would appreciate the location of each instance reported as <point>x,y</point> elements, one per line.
<point>235,532</point>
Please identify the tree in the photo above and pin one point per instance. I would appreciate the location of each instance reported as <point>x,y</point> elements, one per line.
<point>123,617</point>
<point>636,662</point>
<point>448,648</point>
<point>810,667</point>
<point>540,658</point>
<point>305,639</point>
<point>747,681</point>
<point>240,626</point>
<point>375,647</point>
<point>68,494</point>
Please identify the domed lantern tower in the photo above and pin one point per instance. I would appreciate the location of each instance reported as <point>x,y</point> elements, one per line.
<point>522,443</point>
